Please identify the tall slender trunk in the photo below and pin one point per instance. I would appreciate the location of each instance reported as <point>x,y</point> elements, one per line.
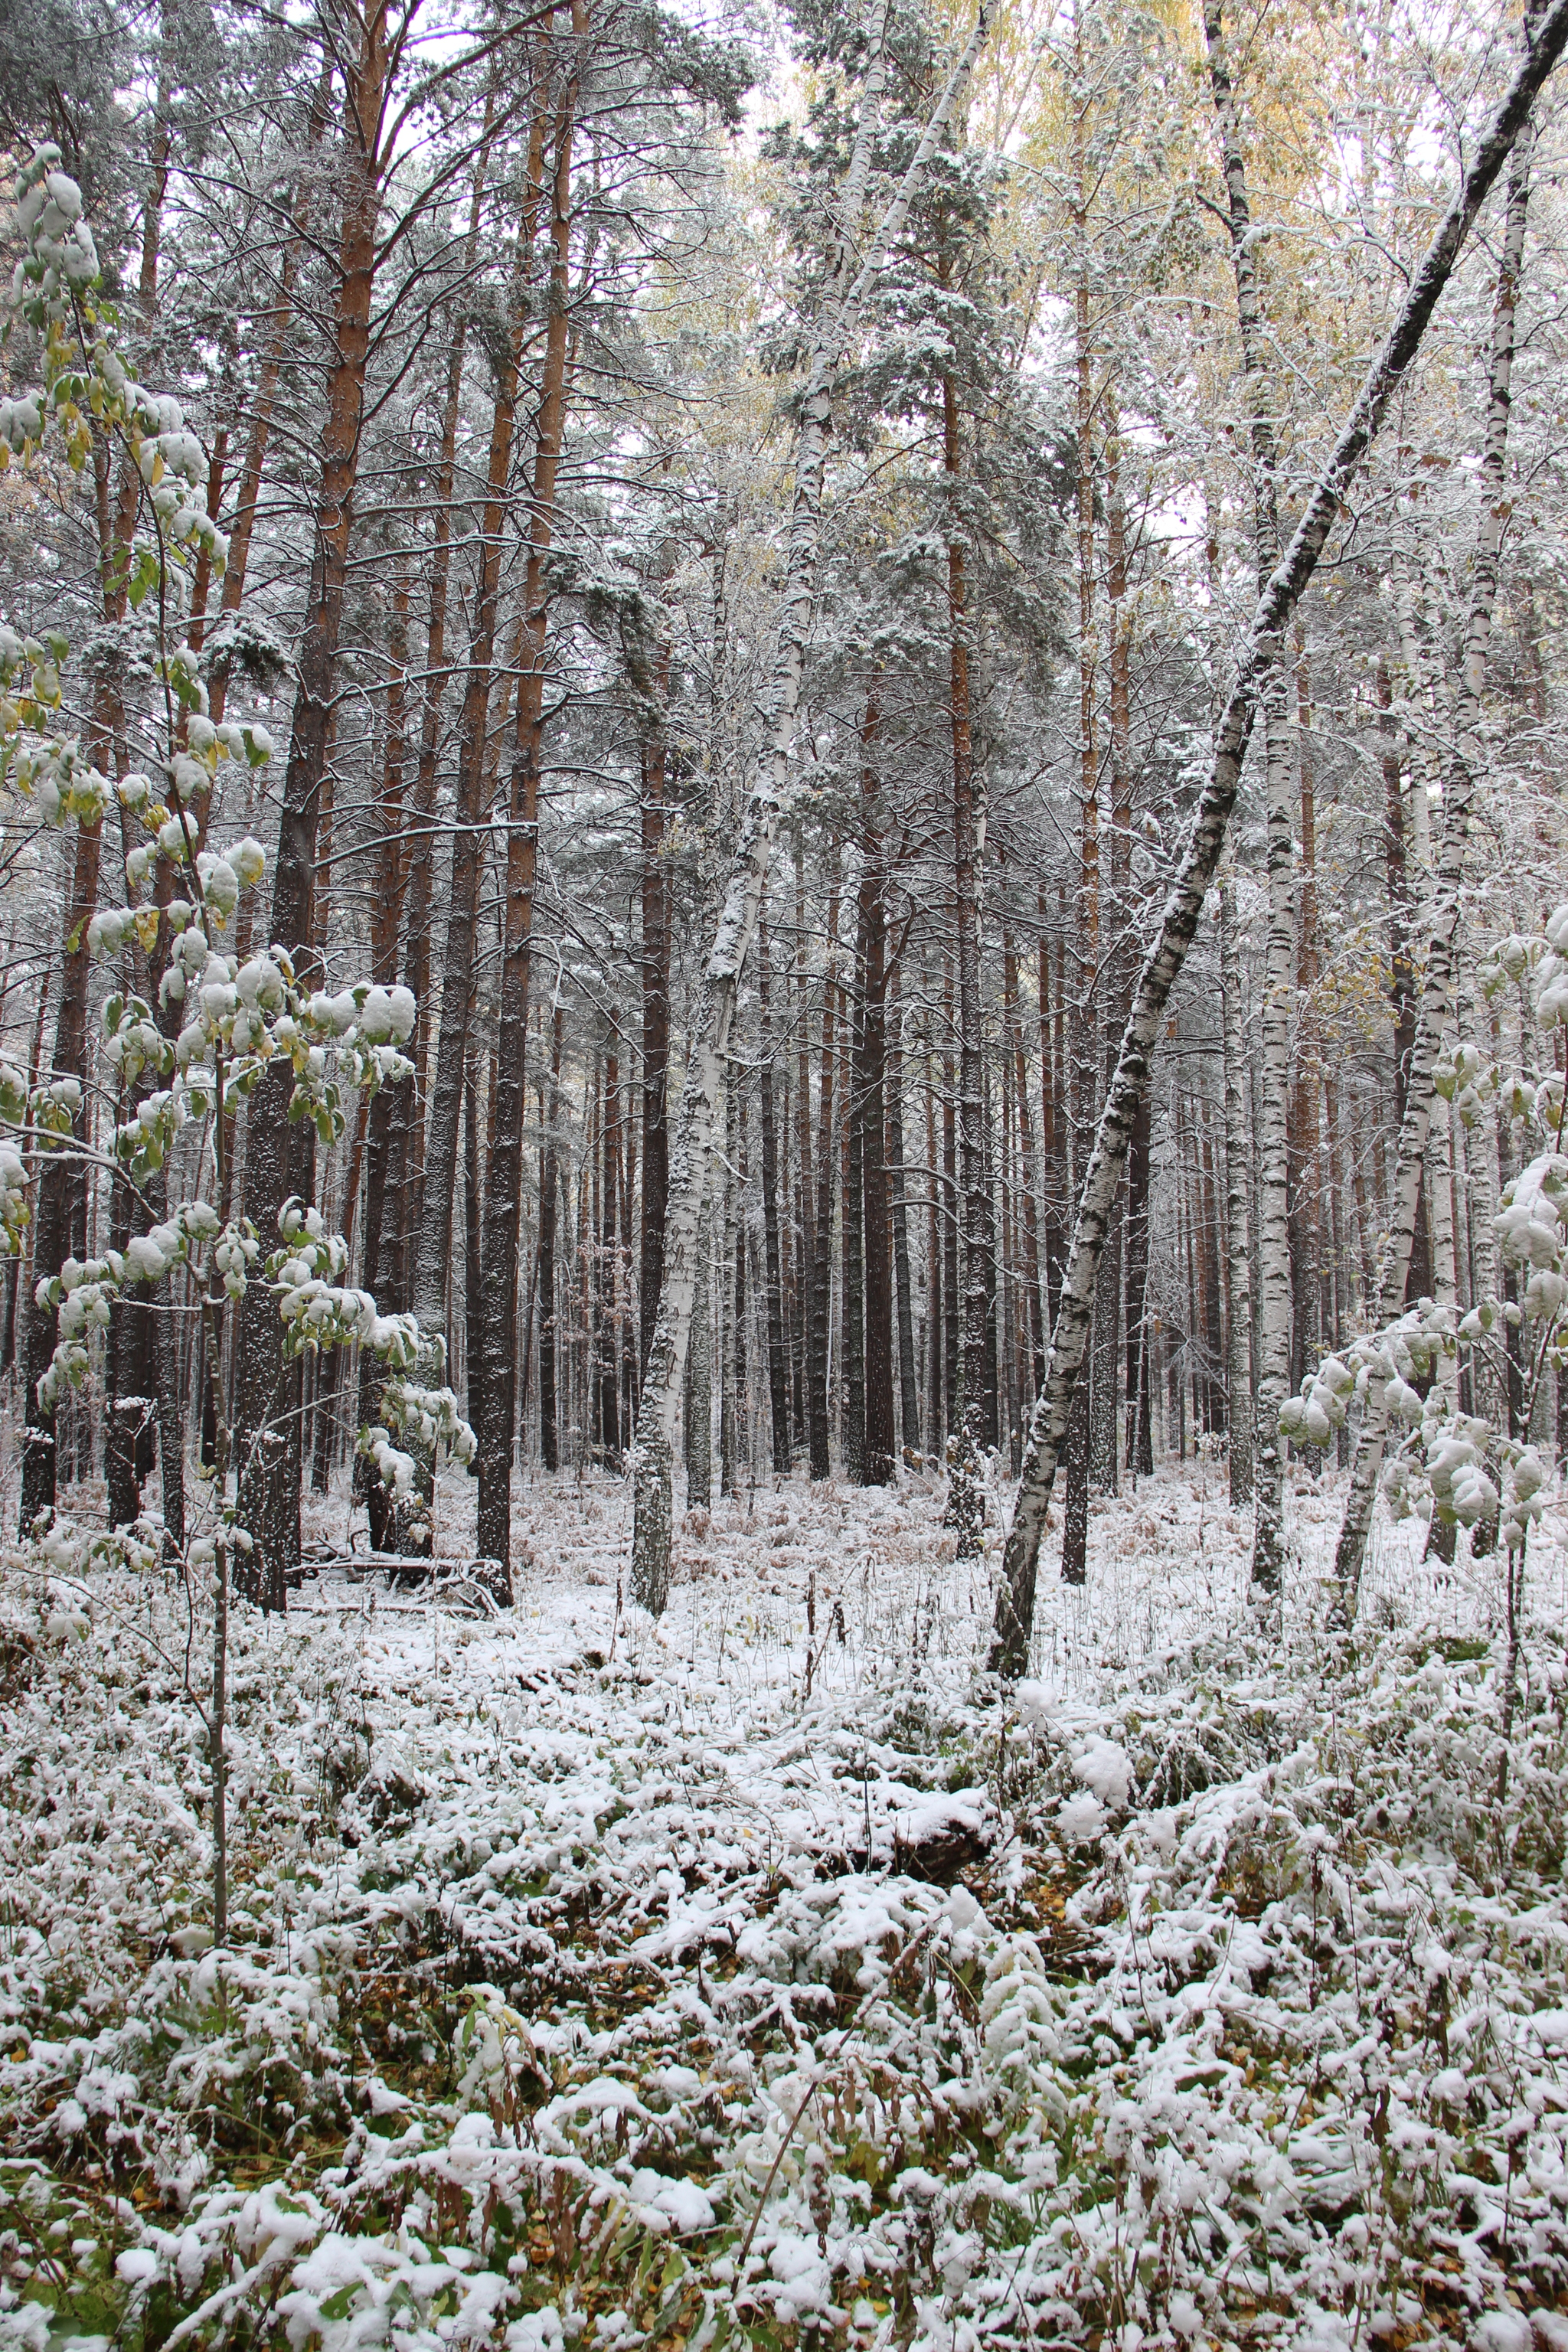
<point>607,1369</point>
<point>1139,1453</point>
<point>821,1242</point>
<point>1305,1114</point>
<point>385,912</point>
<point>936,1381</point>
<point>1190,884</point>
<point>700,1376</point>
<point>1015,1046</point>
<point>1120,961</point>
<point>879,1438</point>
<point>433,1251</point>
<point>395,1266</point>
<point>778,1367</point>
<point>549,1200</point>
<point>277,1157</point>
<point>503,1203</point>
<point>656,944</point>
<point>806,1220</point>
<point>909,1385</point>
<point>1085,1075</point>
<point>728,1431</point>
<point>951,1295</point>
<point>473,1288</point>
<point>965,1501</point>
<point>1274,1233</point>
<point>1238,1355</point>
<point>850,1384</point>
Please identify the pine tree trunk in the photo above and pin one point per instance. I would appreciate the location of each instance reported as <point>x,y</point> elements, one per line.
<point>936,1377</point>
<point>391,868</point>
<point>805,1248</point>
<point>731,1254</point>
<point>278,1156</point>
<point>495,1426</point>
<point>965,1507</point>
<point>822,1243</point>
<point>909,1385</point>
<point>549,1307</point>
<point>851,1380</point>
<point>879,1438</point>
<point>778,1364</point>
<point>952,1309</point>
<point>608,1369</point>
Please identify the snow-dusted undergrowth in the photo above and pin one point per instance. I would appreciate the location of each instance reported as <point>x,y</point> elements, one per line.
<point>769,1973</point>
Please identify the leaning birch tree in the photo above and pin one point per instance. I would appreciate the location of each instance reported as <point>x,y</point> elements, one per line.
<point>847,288</point>
<point>1544,40</point>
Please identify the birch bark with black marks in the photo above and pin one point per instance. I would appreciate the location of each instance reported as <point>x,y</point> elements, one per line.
<point>1238,1350</point>
<point>1185,900</point>
<point>654,1452</point>
<point>1279,996</point>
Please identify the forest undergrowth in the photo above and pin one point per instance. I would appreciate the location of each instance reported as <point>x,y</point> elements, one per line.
<point>769,1974</point>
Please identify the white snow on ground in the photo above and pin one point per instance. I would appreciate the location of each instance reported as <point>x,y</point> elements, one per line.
<point>596,1983</point>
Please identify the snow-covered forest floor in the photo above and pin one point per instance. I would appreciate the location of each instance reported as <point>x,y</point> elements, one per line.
<point>768,1973</point>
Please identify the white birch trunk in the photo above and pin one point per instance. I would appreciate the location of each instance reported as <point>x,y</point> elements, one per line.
<point>1238,1352</point>
<point>654,1449</point>
<point>1183,903</point>
<point>1273,1179</point>
<point>699,1384</point>
<point>1465,762</point>
<point>1273,1366</point>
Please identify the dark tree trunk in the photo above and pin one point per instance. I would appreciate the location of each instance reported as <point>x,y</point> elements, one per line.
<point>966,1503</point>
<point>778,1367</point>
<point>606,1359</point>
<point>821,1278</point>
<point>279,1158</point>
<point>951,1363</point>
<point>878,1436</point>
<point>909,1386</point>
<point>504,1207</point>
<point>850,1382</point>
<point>549,1187</point>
